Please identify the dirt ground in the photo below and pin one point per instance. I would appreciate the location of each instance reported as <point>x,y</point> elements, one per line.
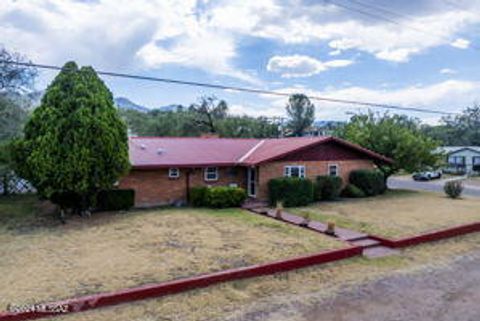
<point>113,250</point>
<point>397,213</point>
<point>316,293</point>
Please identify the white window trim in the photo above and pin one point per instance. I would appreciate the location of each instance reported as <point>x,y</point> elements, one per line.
<point>337,169</point>
<point>302,171</point>
<point>171,172</point>
<point>205,174</point>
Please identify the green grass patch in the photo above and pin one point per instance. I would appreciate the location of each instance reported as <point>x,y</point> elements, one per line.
<point>17,209</point>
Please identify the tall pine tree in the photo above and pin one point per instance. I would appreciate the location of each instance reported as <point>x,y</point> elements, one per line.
<point>75,143</point>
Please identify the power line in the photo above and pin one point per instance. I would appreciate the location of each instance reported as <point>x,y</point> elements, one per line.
<point>388,11</point>
<point>390,20</point>
<point>239,89</point>
<point>453,4</point>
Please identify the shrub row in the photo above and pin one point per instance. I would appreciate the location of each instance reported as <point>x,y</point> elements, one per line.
<point>291,191</point>
<point>115,199</point>
<point>371,182</point>
<point>328,187</point>
<point>352,191</point>
<point>217,197</point>
<point>106,200</point>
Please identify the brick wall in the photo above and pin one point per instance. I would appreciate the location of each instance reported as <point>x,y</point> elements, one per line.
<point>154,187</point>
<point>313,169</point>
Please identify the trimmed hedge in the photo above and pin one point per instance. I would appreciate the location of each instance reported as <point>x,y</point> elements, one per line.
<point>217,197</point>
<point>352,191</point>
<point>115,199</point>
<point>224,196</point>
<point>198,196</point>
<point>66,199</point>
<point>292,191</point>
<point>371,182</point>
<point>328,187</point>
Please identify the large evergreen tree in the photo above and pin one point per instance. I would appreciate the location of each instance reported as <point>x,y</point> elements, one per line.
<point>75,143</point>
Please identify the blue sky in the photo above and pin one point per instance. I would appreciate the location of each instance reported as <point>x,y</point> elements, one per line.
<point>428,58</point>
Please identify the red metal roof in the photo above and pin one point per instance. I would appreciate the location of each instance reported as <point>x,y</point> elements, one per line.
<point>156,152</point>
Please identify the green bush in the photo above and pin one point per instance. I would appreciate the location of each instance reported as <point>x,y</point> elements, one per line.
<point>292,191</point>
<point>371,182</point>
<point>198,196</point>
<point>115,199</point>
<point>224,196</point>
<point>66,199</point>
<point>328,187</point>
<point>352,191</point>
<point>217,197</point>
<point>453,189</point>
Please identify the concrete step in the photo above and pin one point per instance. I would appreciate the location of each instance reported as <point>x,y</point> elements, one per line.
<point>349,235</point>
<point>379,251</point>
<point>365,242</point>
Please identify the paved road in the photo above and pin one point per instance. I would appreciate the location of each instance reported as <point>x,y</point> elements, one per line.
<point>405,182</point>
<point>442,293</point>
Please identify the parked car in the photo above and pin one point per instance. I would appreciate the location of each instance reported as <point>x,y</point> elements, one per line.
<point>427,175</point>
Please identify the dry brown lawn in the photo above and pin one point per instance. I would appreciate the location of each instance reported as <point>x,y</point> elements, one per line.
<point>234,300</point>
<point>111,251</point>
<point>397,213</point>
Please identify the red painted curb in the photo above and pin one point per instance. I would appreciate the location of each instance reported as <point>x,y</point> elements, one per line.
<point>177,286</point>
<point>428,237</point>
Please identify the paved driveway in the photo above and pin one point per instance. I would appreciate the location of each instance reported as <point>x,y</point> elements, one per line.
<point>406,182</point>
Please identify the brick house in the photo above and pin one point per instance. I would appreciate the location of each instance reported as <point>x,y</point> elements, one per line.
<point>165,168</point>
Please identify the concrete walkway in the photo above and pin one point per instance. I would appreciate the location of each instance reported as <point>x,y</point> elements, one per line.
<point>371,248</point>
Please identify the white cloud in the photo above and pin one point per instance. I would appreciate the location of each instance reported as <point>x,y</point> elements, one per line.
<point>200,49</point>
<point>448,71</point>
<point>205,35</point>
<point>119,34</point>
<point>305,24</point>
<point>461,43</point>
<point>302,66</point>
<point>448,96</point>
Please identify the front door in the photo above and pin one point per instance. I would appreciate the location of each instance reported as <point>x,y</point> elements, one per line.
<point>252,181</point>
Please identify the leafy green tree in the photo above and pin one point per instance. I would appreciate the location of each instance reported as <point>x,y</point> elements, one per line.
<point>208,112</point>
<point>75,143</point>
<point>464,129</point>
<point>247,127</point>
<point>301,114</point>
<point>397,137</point>
<point>15,77</point>
<point>161,123</point>
<point>459,130</point>
<point>12,118</point>
<point>15,81</point>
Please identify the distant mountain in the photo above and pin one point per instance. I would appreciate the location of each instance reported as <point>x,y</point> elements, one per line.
<point>125,103</point>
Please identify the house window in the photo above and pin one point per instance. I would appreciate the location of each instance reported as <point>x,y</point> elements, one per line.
<point>476,160</point>
<point>294,171</point>
<point>333,170</point>
<point>211,173</point>
<point>173,172</point>
<point>456,160</point>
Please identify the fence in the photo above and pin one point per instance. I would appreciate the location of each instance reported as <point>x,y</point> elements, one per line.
<point>11,184</point>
